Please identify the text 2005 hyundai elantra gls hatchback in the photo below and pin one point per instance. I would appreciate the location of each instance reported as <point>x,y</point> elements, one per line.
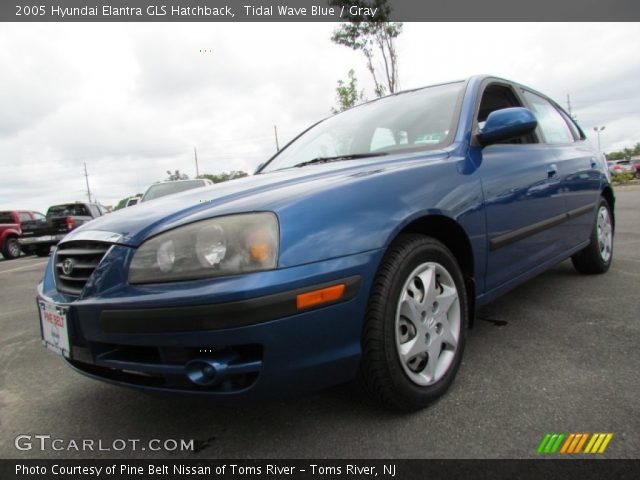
<point>361,250</point>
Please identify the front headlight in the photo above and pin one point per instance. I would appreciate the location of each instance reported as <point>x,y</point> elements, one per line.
<point>209,248</point>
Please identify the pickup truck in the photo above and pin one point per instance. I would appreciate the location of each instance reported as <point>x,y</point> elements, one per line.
<point>40,235</point>
<point>11,222</point>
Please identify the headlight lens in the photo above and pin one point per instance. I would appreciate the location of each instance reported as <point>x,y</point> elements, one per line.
<point>209,248</point>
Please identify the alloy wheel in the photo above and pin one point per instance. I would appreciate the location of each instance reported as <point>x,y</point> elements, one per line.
<point>14,248</point>
<point>605,233</point>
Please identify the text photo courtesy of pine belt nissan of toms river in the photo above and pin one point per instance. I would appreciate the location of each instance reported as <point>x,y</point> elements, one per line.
<point>359,251</point>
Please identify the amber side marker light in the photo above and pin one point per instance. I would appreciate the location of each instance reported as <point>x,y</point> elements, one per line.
<point>318,297</point>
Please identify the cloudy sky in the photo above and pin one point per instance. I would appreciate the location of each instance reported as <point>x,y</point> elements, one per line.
<point>132,100</point>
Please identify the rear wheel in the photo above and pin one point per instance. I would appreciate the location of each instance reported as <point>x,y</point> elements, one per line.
<point>11,248</point>
<point>43,250</point>
<point>596,257</point>
<point>415,327</point>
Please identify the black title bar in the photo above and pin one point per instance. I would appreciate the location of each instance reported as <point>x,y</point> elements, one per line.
<point>315,10</point>
<point>546,469</point>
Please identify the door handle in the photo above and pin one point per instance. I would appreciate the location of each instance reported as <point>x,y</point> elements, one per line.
<point>552,170</point>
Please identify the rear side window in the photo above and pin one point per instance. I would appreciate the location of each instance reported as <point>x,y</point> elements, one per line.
<point>73,209</point>
<point>6,217</point>
<point>24,217</point>
<point>553,126</point>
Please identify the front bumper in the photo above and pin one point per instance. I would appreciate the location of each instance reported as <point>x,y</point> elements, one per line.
<point>42,240</point>
<point>245,328</point>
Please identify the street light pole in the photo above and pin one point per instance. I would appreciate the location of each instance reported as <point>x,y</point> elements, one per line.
<point>598,130</point>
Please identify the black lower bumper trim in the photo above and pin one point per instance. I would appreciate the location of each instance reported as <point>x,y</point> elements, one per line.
<point>216,316</point>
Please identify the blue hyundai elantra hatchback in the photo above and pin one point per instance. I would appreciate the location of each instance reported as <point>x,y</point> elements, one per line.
<point>359,251</point>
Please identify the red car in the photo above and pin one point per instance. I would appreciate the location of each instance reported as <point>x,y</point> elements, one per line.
<point>11,222</point>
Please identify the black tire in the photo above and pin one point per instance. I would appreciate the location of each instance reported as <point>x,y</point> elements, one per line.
<point>382,376</point>
<point>43,250</point>
<point>590,259</point>
<point>11,248</point>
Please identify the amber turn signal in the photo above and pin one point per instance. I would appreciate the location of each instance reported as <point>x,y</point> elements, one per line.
<point>318,297</point>
<point>259,246</point>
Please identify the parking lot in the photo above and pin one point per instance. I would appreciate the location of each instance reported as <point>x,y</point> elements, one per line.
<point>558,354</point>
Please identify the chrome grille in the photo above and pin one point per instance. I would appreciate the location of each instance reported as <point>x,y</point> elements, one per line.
<point>75,262</point>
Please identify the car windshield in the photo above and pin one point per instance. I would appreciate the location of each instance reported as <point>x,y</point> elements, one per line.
<point>414,120</point>
<point>161,189</point>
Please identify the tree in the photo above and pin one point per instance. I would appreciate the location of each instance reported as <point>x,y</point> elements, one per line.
<point>625,153</point>
<point>176,175</point>
<point>347,93</point>
<point>224,176</point>
<point>375,38</point>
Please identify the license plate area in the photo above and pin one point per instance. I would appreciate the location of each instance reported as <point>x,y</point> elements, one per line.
<point>54,323</point>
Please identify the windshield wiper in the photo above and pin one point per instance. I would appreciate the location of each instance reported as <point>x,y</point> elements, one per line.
<point>338,158</point>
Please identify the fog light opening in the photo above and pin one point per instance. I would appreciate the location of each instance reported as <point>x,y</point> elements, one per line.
<point>201,372</point>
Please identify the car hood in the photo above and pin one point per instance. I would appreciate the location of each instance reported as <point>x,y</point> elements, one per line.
<point>263,192</point>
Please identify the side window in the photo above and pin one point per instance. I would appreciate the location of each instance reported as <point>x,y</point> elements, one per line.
<point>575,130</point>
<point>6,217</point>
<point>24,217</point>
<point>94,211</point>
<point>497,97</point>
<point>38,216</point>
<point>550,122</point>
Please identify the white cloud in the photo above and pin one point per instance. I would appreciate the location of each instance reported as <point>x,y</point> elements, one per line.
<point>132,100</point>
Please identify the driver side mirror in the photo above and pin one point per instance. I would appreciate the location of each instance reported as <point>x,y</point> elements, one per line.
<point>507,124</point>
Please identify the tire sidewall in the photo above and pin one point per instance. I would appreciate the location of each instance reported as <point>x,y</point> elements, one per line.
<point>427,251</point>
<point>594,236</point>
<point>6,252</point>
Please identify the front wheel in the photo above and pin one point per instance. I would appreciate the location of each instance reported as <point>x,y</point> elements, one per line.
<point>415,326</point>
<point>596,257</point>
<point>11,248</point>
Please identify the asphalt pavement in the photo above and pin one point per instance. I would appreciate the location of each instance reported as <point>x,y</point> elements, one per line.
<point>558,354</point>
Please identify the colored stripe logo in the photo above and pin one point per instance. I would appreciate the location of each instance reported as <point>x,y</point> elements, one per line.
<point>573,443</point>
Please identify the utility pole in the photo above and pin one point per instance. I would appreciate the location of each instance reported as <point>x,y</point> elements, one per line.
<point>195,154</point>
<point>275,129</point>
<point>86,178</point>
